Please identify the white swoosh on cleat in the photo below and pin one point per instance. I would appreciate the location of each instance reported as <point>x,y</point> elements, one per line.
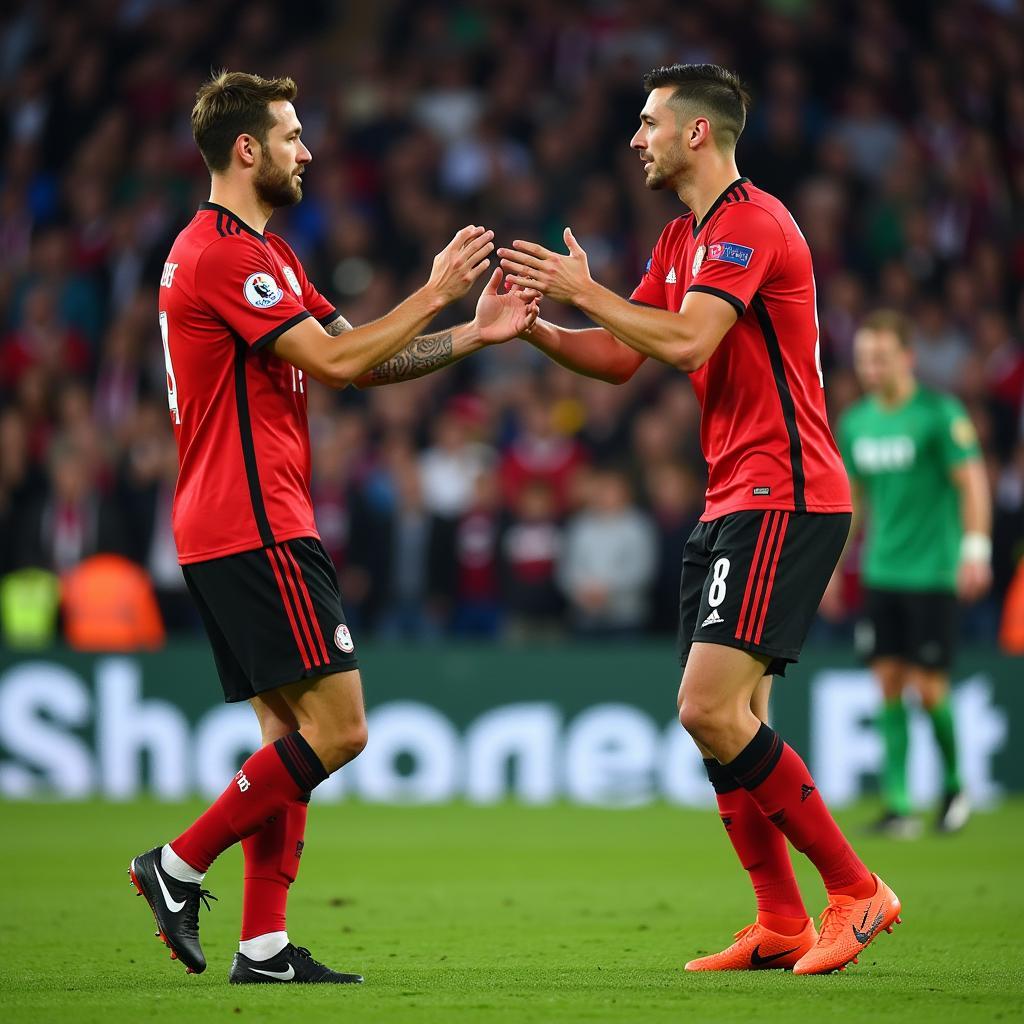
<point>278,975</point>
<point>172,905</point>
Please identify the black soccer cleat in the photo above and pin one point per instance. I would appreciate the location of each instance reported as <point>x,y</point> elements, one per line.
<point>292,965</point>
<point>175,906</point>
<point>894,825</point>
<point>954,812</point>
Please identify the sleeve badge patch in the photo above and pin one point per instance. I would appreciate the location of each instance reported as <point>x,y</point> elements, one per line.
<point>262,291</point>
<point>698,259</point>
<point>293,281</point>
<point>730,252</point>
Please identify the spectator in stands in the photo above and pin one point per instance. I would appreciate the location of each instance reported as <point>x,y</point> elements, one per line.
<point>608,561</point>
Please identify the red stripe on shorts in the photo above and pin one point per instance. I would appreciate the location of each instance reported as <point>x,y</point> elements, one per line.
<point>286,601</point>
<point>771,577</point>
<point>300,611</point>
<point>309,605</point>
<point>752,575</point>
<point>762,577</point>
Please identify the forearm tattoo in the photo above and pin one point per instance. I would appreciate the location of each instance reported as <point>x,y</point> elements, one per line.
<point>338,326</point>
<point>421,356</point>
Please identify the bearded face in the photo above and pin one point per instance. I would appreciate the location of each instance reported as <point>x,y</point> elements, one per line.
<point>277,186</point>
<point>666,168</point>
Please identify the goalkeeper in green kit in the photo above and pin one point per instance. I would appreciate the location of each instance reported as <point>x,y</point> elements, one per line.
<point>920,489</point>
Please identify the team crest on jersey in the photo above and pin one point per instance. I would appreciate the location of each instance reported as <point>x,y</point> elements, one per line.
<point>262,291</point>
<point>293,281</point>
<point>698,259</point>
<point>343,639</point>
<point>730,252</point>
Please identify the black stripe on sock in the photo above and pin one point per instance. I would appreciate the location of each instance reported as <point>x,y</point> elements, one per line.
<point>290,761</point>
<point>313,765</point>
<point>719,776</point>
<point>756,761</point>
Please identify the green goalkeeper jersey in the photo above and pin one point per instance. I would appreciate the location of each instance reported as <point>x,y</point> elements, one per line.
<point>901,460</point>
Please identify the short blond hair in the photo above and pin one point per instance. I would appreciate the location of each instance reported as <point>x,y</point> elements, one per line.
<point>234,103</point>
<point>889,321</point>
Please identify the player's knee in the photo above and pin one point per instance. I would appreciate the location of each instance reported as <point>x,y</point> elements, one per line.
<point>697,719</point>
<point>339,744</point>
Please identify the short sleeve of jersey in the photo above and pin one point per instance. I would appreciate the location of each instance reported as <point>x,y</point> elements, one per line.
<point>651,289</point>
<point>744,247</point>
<point>958,440</point>
<point>322,308</point>
<point>237,281</point>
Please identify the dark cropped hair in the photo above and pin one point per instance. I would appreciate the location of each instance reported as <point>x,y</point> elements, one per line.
<point>233,103</point>
<point>709,90</point>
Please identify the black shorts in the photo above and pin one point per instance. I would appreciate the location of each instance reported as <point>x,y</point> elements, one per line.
<point>754,580</point>
<point>918,627</point>
<point>273,615</point>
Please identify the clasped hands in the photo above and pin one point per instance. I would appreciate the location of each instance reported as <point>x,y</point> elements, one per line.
<point>530,272</point>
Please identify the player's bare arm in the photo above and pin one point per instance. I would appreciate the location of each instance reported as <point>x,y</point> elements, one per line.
<point>499,317</point>
<point>974,576</point>
<point>685,340</point>
<point>454,272</point>
<point>337,326</point>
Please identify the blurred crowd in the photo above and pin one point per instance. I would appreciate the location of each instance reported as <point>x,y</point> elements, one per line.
<point>503,496</point>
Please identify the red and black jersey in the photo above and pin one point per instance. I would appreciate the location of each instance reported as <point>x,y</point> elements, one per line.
<point>764,429</point>
<point>239,412</point>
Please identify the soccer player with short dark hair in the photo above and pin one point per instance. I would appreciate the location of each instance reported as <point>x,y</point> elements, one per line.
<point>728,298</point>
<point>242,325</point>
<point>918,478</point>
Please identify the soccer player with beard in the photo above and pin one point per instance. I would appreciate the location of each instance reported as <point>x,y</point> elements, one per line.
<point>242,325</point>
<point>728,298</point>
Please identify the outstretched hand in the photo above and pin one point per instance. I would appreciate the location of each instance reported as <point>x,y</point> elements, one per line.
<point>560,277</point>
<point>461,262</point>
<point>501,316</point>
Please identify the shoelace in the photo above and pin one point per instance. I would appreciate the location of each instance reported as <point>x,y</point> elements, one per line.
<point>745,931</point>
<point>205,895</point>
<point>832,919</point>
<point>193,907</point>
<point>303,952</point>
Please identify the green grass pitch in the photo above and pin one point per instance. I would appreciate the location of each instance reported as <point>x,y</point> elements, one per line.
<point>498,914</point>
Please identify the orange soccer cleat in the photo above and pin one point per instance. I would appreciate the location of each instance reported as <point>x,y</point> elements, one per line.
<point>758,949</point>
<point>847,926</point>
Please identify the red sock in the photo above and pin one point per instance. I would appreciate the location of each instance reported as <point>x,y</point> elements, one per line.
<point>762,851</point>
<point>271,864</point>
<point>780,784</point>
<point>271,779</point>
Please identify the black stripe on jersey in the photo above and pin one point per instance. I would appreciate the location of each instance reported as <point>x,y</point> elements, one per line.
<point>220,225</point>
<point>731,299</point>
<point>743,192</point>
<point>796,457</point>
<point>723,198</point>
<point>328,318</point>
<point>224,211</point>
<point>252,475</point>
<point>646,305</point>
<point>275,333</point>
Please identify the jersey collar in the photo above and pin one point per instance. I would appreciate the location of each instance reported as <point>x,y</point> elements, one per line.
<point>716,204</point>
<point>217,208</point>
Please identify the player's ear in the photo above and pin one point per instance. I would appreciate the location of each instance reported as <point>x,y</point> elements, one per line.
<point>246,147</point>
